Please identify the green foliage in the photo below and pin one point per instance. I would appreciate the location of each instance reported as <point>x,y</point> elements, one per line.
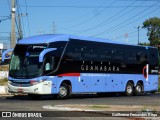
<point>3,81</point>
<point>153,27</point>
<point>99,106</point>
<point>144,44</point>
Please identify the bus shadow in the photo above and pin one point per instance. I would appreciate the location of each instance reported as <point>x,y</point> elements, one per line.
<point>77,96</point>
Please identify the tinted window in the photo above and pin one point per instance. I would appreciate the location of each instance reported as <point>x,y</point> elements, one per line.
<point>153,56</point>
<point>136,55</point>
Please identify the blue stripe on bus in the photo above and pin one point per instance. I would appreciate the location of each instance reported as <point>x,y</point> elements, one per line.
<point>97,82</point>
<point>104,82</point>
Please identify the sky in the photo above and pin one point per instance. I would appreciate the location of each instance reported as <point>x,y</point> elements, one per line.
<point>109,19</point>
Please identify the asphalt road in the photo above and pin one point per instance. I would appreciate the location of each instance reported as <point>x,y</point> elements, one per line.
<point>24,103</point>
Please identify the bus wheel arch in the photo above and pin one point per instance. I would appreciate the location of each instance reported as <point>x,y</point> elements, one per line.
<point>65,89</point>
<point>139,88</point>
<point>129,88</point>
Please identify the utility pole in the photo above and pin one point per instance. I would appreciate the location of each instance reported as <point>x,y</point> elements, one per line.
<point>54,31</point>
<point>13,36</point>
<point>126,37</point>
<point>138,34</point>
<point>20,28</point>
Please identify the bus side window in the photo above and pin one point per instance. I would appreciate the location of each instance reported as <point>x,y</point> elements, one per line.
<point>49,63</point>
<point>108,54</point>
<point>74,54</point>
<point>118,56</point>
<point>153,59</point>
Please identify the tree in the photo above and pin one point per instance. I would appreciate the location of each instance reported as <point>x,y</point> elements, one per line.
<point>153,27</point>
<point>144,44</point>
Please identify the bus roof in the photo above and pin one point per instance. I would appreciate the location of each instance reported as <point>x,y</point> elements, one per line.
<point>40,39</point>
<point>48,38</point>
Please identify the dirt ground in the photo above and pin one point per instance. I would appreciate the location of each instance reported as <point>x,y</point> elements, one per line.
<point>4,67</point>
<point>140,108</point>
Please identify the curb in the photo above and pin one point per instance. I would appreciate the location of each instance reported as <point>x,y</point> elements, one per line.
<point>62,108</point>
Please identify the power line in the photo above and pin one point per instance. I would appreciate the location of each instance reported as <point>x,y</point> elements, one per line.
<point>18,25</point>
<point>5,19</point>
<point>20,13</point>
<point>4,16</point>
<point>86,7</point>
<point>111,19</point>
<point>9,5</point>
<point>124,22</point>
<point>27,17</point>
<point>5,32</point>
<point>92,17</point>
<point>80,17</point>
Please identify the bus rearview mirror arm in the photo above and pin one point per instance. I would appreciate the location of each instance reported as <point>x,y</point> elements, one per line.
<point>44,52</point>
<point>4,54</point>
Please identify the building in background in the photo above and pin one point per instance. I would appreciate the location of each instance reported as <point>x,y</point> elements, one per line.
<point>3,47</point>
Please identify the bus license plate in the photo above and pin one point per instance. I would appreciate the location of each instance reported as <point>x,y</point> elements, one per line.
<point>20,90</point>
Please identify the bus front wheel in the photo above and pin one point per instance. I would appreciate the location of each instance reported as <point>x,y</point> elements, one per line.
<point>64,91</point>
<point>129,89</point>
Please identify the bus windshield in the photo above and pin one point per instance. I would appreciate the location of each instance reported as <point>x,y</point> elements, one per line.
<point>25,61</point>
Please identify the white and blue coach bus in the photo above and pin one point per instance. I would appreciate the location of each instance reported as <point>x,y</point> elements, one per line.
<point>65,64</point>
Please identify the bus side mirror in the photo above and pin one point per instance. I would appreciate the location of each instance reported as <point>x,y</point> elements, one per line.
<point>4,55</point>
<point>44,52</point>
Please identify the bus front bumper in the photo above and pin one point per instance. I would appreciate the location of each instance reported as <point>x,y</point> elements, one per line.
<point>40,88</point>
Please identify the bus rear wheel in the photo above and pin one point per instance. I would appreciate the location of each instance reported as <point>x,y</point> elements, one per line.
<point>129,89</point>
<point>64,91</point>
<point>138,89</point>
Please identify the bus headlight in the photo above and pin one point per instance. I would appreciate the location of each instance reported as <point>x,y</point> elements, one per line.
<point>33,82</point>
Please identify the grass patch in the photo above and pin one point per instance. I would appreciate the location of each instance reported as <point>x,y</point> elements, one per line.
<point>3,82</point>
<point>147,108</point>
<point>99,106</point>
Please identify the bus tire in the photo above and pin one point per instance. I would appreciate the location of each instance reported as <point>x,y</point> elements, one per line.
<point>101,94</point>
<point>64,91</point>
<point>34,96</point>
<point>129,89</point>
<point>138,89</point>
<point>55,96</point>
<point>153,92</point>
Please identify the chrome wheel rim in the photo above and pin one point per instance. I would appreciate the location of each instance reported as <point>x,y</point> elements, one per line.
<point>138,88</point>
<point>63,91</point>
<point>129,89</point>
